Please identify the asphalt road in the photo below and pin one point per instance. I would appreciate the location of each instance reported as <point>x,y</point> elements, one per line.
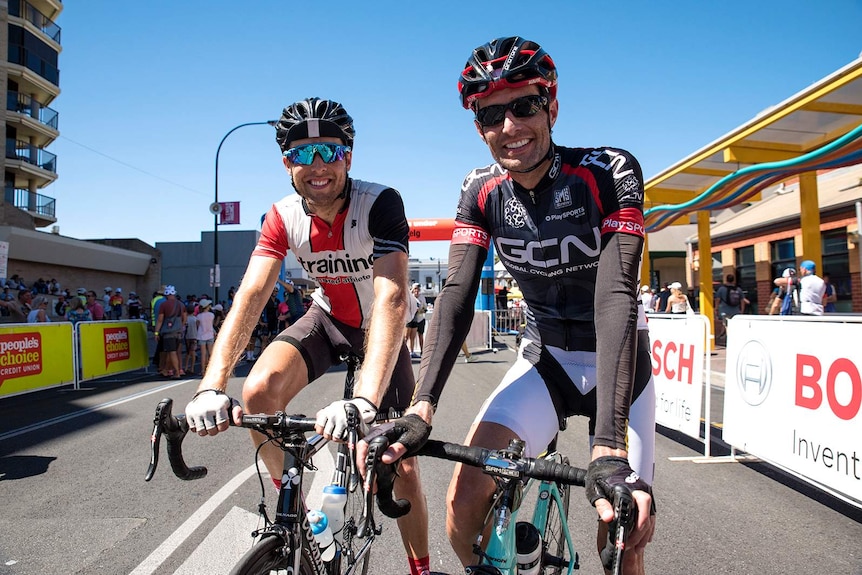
<point>74,500</point>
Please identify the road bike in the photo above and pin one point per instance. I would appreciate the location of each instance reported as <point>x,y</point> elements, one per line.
<point>287,544</point>
<point>542,545</point>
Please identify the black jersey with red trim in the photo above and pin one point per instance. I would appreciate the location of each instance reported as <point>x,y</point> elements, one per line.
<point>339,257</point>
<point>550,238</point>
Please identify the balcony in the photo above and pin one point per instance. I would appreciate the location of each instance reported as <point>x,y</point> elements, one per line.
<point>42,208</point>
<point>29,13</point>
<point>33,121</point>
<point>30,163</point>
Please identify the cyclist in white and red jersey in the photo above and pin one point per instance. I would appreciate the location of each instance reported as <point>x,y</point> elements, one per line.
<point>352,238</point>
<point>568,226</point>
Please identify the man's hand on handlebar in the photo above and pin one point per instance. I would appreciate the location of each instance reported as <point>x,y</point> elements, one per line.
<point>604,475</point>
<point>406,435</point>
<point>332,420</point>
<point>208,412</point>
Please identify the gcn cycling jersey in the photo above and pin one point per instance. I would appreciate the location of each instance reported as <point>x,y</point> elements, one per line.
<point>339,257</point>
<point>550,238</point>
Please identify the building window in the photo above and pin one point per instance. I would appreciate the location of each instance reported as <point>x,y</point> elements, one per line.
<point>782,254</point>
<point>746,276</point>
<point>836,262</point>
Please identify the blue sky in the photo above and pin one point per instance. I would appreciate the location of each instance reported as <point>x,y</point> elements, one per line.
<point>150,88</point>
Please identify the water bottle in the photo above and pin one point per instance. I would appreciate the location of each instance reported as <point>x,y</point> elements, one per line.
<point>322,534</point>
<point>334,500</point>
<point>529,546</point>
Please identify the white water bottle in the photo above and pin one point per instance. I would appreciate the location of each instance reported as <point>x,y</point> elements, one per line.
<point>322,534</point>
<point>334,500</point>
<point>529,547</point>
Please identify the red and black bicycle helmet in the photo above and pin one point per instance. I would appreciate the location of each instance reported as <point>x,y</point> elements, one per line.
<point>314,118</point>
<point>509,62</point>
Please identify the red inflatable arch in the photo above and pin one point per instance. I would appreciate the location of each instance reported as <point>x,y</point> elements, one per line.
<point>428,230</point>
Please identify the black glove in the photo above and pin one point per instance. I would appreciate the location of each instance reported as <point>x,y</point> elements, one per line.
<point>410,430</point>
<point>605,473</point>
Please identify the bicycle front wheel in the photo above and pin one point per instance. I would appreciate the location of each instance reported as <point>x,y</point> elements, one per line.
<point>351,544</point>
<point>556,556</point>
<point>268,557</point>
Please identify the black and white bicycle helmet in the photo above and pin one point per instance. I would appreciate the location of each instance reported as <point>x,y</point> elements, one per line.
<point>509,62</point>
<point>314,118</point>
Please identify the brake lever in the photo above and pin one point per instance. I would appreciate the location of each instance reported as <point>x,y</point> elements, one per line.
<point>163,408</point>
<point>625,518</point>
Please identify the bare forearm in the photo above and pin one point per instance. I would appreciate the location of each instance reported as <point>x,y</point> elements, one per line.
<point>385,334</point>
<point>239,323</point>
<point>382,344</point>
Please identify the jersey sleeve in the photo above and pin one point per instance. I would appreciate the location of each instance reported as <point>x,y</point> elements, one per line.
<point>471,225</point>
<point>622,195</point>
<point>273,237</point>
<point>387,224</point>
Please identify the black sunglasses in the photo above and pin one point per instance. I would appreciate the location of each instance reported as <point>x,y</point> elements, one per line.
<point>523,107</point>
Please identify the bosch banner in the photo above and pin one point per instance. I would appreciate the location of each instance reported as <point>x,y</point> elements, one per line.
<point>678,349</point>
<point>793,393</point>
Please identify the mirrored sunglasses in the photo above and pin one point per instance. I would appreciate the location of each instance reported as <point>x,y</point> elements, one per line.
<point>523,107</point>
<point>304,154</point>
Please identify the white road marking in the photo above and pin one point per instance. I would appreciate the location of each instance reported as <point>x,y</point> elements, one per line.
<point>163,551</point>
<point>237,531</point>
<point>100,407</point>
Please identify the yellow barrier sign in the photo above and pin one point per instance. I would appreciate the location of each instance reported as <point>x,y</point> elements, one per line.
<point>35,356</point>
<point>112,347</point>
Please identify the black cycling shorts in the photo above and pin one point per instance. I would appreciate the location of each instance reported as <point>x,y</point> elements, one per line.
<point>322,340</point>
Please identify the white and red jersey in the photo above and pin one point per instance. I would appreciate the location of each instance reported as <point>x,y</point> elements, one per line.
<point>339,257</point>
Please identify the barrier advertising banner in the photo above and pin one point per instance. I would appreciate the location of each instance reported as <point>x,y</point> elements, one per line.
<point>35,356</point>
<point>678,347</point>
<point>793,394</point>
<point>111,347</point>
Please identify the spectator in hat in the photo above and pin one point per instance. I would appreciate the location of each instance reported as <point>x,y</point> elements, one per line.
<point>116,303</point>
<point>647,298</point>
<point>788,292</point>
<point>812,288</point>
<point>106,301</point>
<point>170,327</point>
<point>206,331</point>
<point>134,306</point>
<point>677,302</point>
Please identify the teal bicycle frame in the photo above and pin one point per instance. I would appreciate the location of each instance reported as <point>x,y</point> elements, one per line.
<point>501,551</point>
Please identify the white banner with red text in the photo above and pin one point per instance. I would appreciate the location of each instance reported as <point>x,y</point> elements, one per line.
<point>678,352</point>
<point>793,391</point>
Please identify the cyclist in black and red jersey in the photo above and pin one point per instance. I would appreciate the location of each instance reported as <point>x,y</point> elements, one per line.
<point>568,226</point>
<point>352,238</point>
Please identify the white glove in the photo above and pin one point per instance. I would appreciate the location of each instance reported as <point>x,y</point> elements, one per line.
<point>333,418</point>
<point>208,409</point>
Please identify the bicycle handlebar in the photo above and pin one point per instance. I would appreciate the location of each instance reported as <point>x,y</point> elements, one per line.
<point>507,464</point>
<point>175,429</point>
<point>501,463</point>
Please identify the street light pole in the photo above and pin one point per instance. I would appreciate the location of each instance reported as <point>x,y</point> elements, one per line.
<point>216,209</point>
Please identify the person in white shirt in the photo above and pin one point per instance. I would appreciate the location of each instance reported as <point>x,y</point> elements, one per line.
<point>811,288</point>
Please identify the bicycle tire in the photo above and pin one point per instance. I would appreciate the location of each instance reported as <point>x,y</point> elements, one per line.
<point>348,540</point>
<point>554,549</point>
<point>266,557</point>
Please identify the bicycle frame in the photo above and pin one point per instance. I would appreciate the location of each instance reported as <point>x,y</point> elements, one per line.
<point>291,519</point>
<point>501,552</point>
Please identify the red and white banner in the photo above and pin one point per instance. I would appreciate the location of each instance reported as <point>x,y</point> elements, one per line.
<point>678,348</point>
<point>229,213</point>
<point>793,395</point>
